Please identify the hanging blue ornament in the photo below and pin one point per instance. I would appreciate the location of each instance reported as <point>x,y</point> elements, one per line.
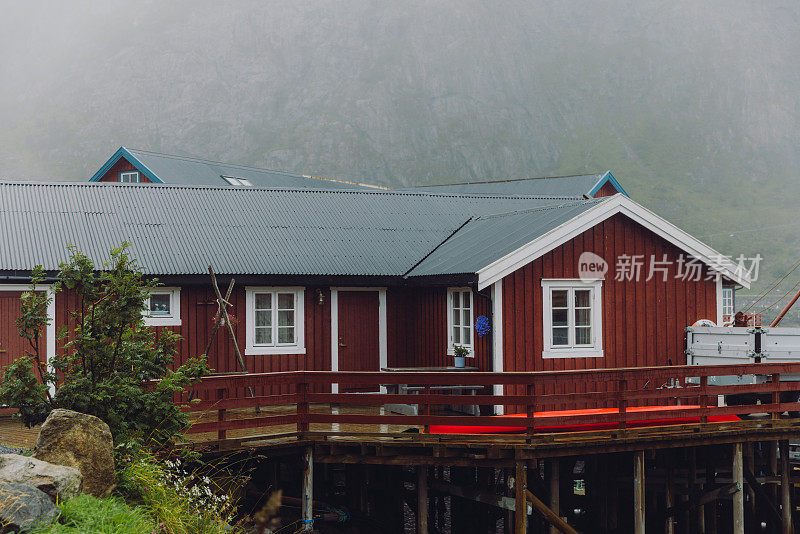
<point>482,325</point>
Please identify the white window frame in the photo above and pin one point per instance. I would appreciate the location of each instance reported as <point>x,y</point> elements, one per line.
<point>450,343</point>
<point>298,346</point>
<point>174,317</point>
<point>727,300</point>
<point>136,174</point>
<point>580,351</point>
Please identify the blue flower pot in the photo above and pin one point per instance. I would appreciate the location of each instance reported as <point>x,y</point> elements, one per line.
<point>460,361</point>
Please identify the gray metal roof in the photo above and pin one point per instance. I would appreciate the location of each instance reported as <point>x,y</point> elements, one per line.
<point>560,186</point>
<point>182,230</point>
<point>180,170</point>
<point>488,238</point>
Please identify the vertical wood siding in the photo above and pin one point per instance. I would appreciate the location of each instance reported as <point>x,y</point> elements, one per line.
<point>643,322</point>
<point>606,190</point>
<point>112,175</point>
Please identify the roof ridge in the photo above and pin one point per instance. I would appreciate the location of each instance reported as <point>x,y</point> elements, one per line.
<point>201,160</point>
<point>506,180</point>
<point>288,189</point>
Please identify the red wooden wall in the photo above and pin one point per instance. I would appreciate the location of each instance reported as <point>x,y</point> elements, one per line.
<point>643,322</point>
<point>417,328</point>
<point>112,175</point>
<point>606,190</point>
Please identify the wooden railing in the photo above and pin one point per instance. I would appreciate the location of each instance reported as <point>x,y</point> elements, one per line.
<point>683,391</point>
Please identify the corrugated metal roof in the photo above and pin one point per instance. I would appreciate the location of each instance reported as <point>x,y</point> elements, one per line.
<point>560,186</point>
<point>182,230</point>
<point>180,170</point>
<point>488,238</point>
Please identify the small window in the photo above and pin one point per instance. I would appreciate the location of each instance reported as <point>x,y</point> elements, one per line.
<point>130,177</point>
<point>728,308</point>
<point>163,307</point>
<point>572,319</point>
<point>275,320</point>
<point>459,318</point>
<point>239,182</point>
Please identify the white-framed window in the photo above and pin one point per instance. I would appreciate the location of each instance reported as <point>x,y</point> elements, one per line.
<point>163,307</point>
<point>239,182</point>
<point>573,318</point>
<point>728,309</point>
<point>130,177</point>
<point>275,320</point>
<point>459,319</point>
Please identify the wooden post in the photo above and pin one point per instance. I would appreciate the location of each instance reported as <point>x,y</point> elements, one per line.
<point>669,526</point>
<point>520,504</point>
<point>555,474</point>
<point>422,500</point>
<point>638,492</point>
<point>786,489</point>
<point>695,489</point>
<point>221,434</point>
<point>738,497</point>
<point>307,506</point>
<point>711,508</point>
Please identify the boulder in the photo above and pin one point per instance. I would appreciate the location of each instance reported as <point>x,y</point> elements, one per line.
<point>81,441</point>
<point>23,508</point>
<point>54,480</point>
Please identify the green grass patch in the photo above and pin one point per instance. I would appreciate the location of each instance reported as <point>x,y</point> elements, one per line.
<point>89,515</point>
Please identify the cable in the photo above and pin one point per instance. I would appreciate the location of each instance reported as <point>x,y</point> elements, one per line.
<point>783,297</point>
<point>796,265</point>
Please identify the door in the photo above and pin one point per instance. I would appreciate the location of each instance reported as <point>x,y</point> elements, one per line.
<point>359,334</point>
<point>12,345</point>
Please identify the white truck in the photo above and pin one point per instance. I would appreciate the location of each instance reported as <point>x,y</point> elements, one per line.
<point>721,345</point>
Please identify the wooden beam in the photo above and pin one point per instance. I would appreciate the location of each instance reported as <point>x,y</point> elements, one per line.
<point>555,490</point>
<point>786,490</point>
<point>669,523</point>
<point>760,492</point>
<point>499,501</point>
<point>307,507</point>
<point>738,497</point>
<point>705,498</point>
<point>520,510</point>
<point>422,500</point>
<point>549,515</point>
<point>638,492</point>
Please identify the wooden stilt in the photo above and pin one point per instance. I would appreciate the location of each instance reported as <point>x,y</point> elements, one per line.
<point>786,489</point>
<point>555,490</point>
<point>422,500</point>
<point>695,489</point>
<point>711,509</point>
<point>738,497</point>
<point>669,526</point>
<point>638,492</point>
<point>308,490</point>
<point>520,504</point>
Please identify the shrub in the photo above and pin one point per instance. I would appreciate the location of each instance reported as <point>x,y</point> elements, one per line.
<point>110,359</point>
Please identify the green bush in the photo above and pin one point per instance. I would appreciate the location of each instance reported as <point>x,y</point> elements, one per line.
<point>89,515</point>
<point>109,360</point>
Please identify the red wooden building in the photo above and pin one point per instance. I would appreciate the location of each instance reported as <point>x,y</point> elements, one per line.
<point>577,277</point>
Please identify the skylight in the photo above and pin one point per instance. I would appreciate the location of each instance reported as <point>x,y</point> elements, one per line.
<point>239,182</point>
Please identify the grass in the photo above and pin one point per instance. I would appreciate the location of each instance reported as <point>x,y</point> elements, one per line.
<point>90,515</point>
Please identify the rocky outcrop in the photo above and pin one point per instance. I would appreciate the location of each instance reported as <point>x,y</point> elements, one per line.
<point>81,441</point>
<point>23,507</point>
<point>57,481</point>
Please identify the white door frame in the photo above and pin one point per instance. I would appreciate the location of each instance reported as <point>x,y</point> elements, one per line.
<point>382,336</point>
<point>497,338</point>
<point>50,330</point>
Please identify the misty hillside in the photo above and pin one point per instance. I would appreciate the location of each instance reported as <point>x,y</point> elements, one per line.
<point>693,105</point>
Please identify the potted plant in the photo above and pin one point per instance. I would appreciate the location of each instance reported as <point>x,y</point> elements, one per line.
<point>460,352</point>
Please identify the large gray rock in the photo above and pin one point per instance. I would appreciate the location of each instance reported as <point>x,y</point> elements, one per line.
<point>23,507</point>
<point>54,480</point>
<point>81,441</point>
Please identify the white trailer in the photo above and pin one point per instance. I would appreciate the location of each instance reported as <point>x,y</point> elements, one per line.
<point>721,345</point>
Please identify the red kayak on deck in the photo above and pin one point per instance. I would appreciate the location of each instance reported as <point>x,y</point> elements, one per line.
<point>660,418</point>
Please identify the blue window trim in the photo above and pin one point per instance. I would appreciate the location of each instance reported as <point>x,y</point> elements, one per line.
<point>607,177</point>
<point>124,153</point>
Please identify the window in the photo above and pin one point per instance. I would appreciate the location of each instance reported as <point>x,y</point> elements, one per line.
<point>240,182</point>
<point>275,320</point>
<point>163,307</point>
<point>727,305</point>
<point>572,318</point>
<point>459,318</point>
<point>130,177</point>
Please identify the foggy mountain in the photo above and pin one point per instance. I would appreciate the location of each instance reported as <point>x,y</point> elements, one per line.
<point>692,105</point>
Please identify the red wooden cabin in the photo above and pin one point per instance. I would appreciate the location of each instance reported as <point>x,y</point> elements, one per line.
<point>357,279</point>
